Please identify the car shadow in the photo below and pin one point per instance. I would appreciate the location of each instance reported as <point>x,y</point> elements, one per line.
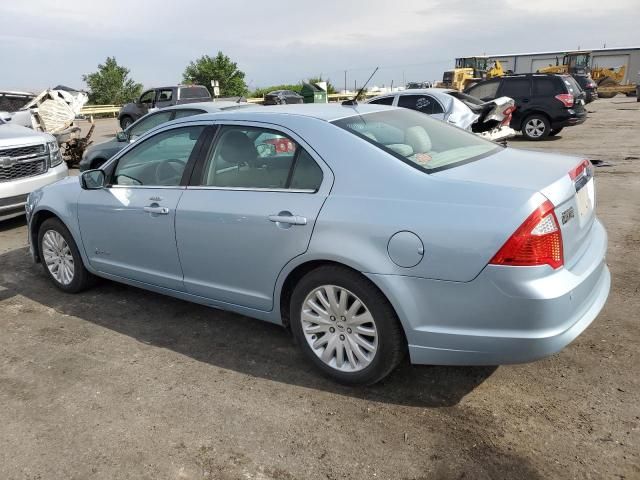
<point>520,138</point>
<point>13,223</point>
<point>224,339</point>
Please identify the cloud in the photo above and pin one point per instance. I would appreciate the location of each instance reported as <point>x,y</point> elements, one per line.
<point>42,43</point>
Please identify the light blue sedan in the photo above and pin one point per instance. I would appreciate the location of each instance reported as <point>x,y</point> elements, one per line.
<point>368,231</point>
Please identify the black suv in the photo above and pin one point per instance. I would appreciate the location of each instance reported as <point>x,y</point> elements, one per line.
<point>545,103</point>
<point>156,98</point>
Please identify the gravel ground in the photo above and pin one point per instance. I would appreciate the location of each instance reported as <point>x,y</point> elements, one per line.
<point>119,383</point>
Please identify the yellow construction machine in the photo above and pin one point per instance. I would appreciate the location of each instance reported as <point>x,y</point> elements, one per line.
<point>609,80</point>
<point>470,70</point>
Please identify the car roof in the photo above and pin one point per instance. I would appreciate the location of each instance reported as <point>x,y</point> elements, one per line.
<point>414,91</point>
<point>207,106</point>
<point>322,111</point>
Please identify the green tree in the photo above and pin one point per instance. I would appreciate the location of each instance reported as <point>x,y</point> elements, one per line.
<point>111,84</point>
<point>219,68</point>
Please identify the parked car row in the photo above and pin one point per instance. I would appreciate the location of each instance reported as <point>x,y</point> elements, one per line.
<point>369,231</point>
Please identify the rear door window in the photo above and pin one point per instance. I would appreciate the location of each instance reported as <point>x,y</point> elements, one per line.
<point>547,86</point>
<point>515,87</point>
<point>420,103</point>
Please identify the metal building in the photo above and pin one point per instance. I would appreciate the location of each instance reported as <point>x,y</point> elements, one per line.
<point>601,57</point>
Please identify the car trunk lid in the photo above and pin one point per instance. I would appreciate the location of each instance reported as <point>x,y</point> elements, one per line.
<point>566,181</point>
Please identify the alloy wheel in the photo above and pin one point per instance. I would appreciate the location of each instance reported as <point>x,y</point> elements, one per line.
<point>57,257</point>
<point>535,128</point>
<point>339,328</point>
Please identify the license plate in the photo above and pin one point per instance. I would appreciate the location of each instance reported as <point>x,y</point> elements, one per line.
<point>585,198</point>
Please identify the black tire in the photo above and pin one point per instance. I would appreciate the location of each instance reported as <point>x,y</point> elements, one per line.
<point>81,279</point>
<point>555,131</point>
<point>538,120</point>
<point>391,341</point>
<point>125,122</point>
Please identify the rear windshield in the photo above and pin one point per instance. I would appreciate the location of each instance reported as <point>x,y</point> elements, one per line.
<point>423,142</point>
<point>572,85</point>
<point>468,99</point>
<point>194,92</point>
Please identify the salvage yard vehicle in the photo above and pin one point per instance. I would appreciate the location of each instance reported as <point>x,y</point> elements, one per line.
<point>97,154</point>
<point>28,160</point>
<point>488,119</point>
<point>588,85</point>
<point>283,97</point>
<point>162,97</point>
<point>545,103</point>
<point>471,70</point>
<point>370,232</point>
<point>54,111</point>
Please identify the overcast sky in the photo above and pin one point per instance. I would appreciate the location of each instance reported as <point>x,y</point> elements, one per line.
<point>44,43</point>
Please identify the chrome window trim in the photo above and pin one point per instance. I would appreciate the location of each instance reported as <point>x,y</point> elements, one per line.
<point>148,187</point>
<point>249,189</point>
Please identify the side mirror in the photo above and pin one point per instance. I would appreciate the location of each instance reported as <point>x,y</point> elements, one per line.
<point>92,180</point>
<point>122,136</point>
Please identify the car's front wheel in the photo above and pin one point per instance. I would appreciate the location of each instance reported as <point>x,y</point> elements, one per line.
<point>345,326</point>
<point>536,127</point>
<point>125,122</point>
<point>60,257</point>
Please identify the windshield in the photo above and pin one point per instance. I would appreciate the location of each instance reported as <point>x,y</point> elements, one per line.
<point>415,138</point>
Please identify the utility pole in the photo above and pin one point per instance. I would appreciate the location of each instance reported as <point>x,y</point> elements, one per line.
<point>345,81</point>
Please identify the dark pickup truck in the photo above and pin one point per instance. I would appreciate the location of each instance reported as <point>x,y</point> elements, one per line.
<point>156,98</point>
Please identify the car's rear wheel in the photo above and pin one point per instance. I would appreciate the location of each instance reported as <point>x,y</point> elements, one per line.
<point>345,326</point>
<point>60,257</point>
<point>125,122</point>
<point>536,127</point>
<point>555,131</point>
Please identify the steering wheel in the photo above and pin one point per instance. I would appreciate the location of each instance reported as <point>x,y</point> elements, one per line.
<point>169,172</point>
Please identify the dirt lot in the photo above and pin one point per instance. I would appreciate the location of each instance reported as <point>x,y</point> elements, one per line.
<point>119,383</point>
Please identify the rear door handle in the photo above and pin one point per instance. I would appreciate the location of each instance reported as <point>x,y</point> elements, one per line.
<point>288,219</point>
<point>156,210</point>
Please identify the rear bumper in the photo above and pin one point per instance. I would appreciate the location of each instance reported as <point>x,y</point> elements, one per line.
<point>574,118</point>
<point>505,315</point>
<point>13,194</point>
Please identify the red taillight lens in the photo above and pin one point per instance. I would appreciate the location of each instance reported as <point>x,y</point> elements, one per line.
<point>580,169</point>
<point>566,99</point>
<point>507,115</point>
<point>537,241</point>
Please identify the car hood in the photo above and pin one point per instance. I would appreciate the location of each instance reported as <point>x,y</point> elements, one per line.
<point>12,135</point>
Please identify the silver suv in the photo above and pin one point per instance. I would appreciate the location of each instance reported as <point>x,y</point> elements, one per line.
<point>28,160</point>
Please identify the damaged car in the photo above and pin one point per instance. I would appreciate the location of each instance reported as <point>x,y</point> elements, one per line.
<point>487,119</point>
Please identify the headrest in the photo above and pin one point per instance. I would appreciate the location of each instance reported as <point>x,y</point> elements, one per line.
<point>236,147</point>
<point>418,138</point>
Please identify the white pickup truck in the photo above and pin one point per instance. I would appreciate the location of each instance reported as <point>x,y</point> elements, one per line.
<point>28,160</point>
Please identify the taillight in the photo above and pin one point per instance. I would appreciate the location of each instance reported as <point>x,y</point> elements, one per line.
<point>566,99</point>
<point>537,241</point>
<point>582,168</point>
<point>507,115</point>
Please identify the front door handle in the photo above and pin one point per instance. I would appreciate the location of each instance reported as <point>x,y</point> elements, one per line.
<point>288,219</point>
<point>157,210</point>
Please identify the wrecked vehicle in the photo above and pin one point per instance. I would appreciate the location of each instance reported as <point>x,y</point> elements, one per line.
<point>156,98</point>
<point>486,119</point>
<point>54,111</point>
<point>28,160</point>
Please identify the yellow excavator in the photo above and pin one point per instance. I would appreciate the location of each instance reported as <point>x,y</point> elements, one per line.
<point>471,70</point>
<point>609,80</point>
